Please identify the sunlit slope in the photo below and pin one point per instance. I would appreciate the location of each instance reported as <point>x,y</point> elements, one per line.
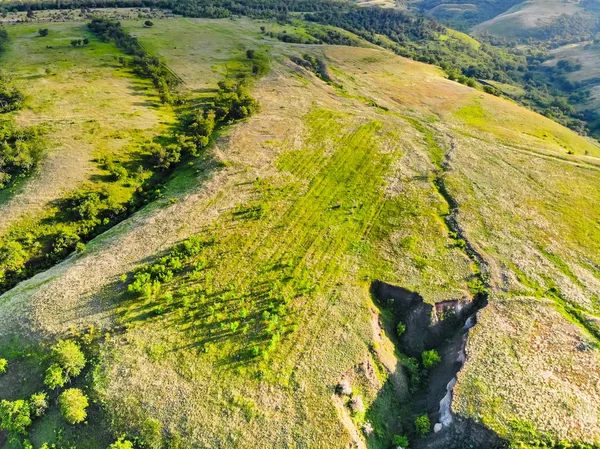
<point>90,106</point>
<point>326,189</point>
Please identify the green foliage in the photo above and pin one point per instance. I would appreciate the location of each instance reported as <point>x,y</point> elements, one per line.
<point>400,329</point>
<point>430,358</point>
<point>38,403</point>
<point>121,443</point>
<point>20,148</point>
<point>3,366</point>
<point>422,425</point>
<point>73,404</point>
<point>415,375</point>
<point>400,441</point>
<point>151,434</point>
<point>67,354</point>
<point>55,377</point>
<point>43,32</point>
<point>15,416</point>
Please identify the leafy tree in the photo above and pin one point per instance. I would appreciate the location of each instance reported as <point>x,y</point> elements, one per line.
<point>38,403</point>
<point>121,444</point>
<point>15,416</point>
<point>148,24</point>
<point>43,32</point>
<point>3,366</point>
<point>250,54</point>
<point>55,377</point>
<point>73,404</point>
<point>67,354</point>
<point>422,424</point>
<point>430,358</point>
<point>85,41</point>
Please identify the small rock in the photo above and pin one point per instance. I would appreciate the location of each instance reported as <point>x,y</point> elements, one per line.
<point>367,428</point>
<point>344,388</point>
<point>437,427</point>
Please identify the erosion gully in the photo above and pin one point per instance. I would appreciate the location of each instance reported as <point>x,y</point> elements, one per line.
<point>444,327</point>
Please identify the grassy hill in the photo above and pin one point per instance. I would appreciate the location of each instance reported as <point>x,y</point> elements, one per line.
<point>262,252</point>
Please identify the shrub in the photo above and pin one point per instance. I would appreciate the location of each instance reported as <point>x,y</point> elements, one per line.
<point>43,32</point>
<point>55,377</point>
<point>73,404</point>
<point>38,403</point>
<point>67,354</point>
<point>15,416</point>
<point>430,358</point>
<point>121,444</point>
<point>423,425</point>
<point>400,329</point>
<point>400,440</point>
<point>148,23</point>
<point>3,366</point>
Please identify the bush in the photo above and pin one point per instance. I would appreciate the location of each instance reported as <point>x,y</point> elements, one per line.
<point>430,358</point>
<point>43,32</point>
<point>121,444</point>
<point>38,403</point>
<point>67,354</point>
<point>73,404</point>
<point>148,23</point>
<point>400,329</point>
<point>400,440</point>
<point>3,366</point>
<point>423,425</point>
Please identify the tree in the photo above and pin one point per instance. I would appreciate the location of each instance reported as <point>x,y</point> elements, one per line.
<point>43,32</point>
<point>250,54</point>
<point>74,42</point>
<point>85,41</point>
<point>121,444</point>
<point>55,377</point>
<point>423,425</point>
<point>430,358</point>
<point>67,354</point>
<point>38,403</point>
<point>3,365</point>
<point>148,24</point>
<point>73,404</point>
<point>15,416</point>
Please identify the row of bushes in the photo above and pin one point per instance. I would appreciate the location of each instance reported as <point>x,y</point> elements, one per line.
<point>146,66</point>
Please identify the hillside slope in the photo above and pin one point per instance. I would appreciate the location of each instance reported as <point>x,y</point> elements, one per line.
<point>388,172</point>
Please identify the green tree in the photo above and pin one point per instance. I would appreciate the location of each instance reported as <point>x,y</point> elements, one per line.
<point>422,424</point>
<point>430,358</point>
<point>73,404</point>
<point>15,416</point>
<point>55,377</point>
<point>67,354</point>
<point>43,32</point>
<point>148,23</point>
<point>121,444</point>
<point>3,366</point>
<point>38,403</point>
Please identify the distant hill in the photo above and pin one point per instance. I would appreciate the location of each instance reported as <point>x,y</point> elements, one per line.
<point>555,20</point>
